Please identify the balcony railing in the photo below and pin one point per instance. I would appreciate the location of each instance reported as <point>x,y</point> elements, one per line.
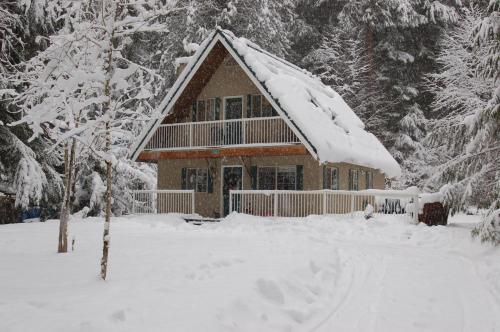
<point>222,133</point>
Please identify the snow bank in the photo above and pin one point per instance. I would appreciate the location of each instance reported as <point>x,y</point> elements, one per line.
<point>430,198</point>
<point>321,273</point>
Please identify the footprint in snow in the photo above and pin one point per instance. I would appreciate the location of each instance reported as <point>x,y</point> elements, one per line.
<point>118,316</point>
<point>270,290</point>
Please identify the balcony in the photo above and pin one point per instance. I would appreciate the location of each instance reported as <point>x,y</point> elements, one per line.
<point>268,131</point>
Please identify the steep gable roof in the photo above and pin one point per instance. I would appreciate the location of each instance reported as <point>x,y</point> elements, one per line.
<point>317,114</point>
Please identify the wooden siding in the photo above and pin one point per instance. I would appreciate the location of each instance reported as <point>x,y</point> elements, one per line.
<point>148,156</point>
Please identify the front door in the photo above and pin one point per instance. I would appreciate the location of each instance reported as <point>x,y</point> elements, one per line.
<point>233,129</point>
<point>232,179</point>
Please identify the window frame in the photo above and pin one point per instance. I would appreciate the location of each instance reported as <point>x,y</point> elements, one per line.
<point>208,112</point>
<point>275,177</point>
<point>353,185</point>
<point>368,180</point>
<point>329,173</point>
<point>262,101</point>
<point>196,185</point>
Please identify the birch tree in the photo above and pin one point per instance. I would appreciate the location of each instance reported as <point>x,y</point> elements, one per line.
<point>87,90</point>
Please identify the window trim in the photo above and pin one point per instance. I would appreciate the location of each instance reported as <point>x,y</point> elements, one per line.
<point>241,97</point>
<point>331,177</point>
<point>207,111</point>
<point>353,171</point>
<point>294,167</point>
<point>369,175</point>
<point>196,179</point>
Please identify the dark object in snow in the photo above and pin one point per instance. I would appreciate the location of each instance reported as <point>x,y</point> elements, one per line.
<point>8,211</point>
<point>392,206</point>
<point>200,221</point>
<point>434,214</point>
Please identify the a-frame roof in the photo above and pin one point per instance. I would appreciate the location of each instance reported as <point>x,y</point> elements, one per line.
<point>324,123</point>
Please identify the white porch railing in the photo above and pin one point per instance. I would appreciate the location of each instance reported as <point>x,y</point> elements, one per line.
<point>163,201</point>
<point>221,133</point>
<point>286,203</point>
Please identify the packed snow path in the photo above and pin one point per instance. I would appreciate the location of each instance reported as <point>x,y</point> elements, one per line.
<point>250,274</point>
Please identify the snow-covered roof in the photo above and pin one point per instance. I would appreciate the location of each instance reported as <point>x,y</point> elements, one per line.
<point>326,125</point>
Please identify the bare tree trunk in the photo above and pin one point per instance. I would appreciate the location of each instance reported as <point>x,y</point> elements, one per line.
<point>107,218</point>
<point>109,170</point>
<point>63,218</point>
<point>69,161</point>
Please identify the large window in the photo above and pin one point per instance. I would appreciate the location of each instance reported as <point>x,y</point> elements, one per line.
<point>205,110</point>
<point>196,179</point>
<point>331,178</point>
<point>353,179</point>
<point>277,178</point>
<point>368,180</point>
<point>260,107</point>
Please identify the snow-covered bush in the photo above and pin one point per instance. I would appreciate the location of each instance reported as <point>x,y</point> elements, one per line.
<point>489,229</point>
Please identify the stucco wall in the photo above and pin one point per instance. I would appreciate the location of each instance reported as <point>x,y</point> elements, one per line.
<point>229,80</point>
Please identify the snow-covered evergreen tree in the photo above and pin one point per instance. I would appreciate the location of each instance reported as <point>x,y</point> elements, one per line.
<point>465,137</point>
<point>24,165</point>
<point>399,47</point>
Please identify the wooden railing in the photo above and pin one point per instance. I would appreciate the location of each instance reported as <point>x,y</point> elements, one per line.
<point>221,133</point>
<point>288,203</point>
<point>163,201</point>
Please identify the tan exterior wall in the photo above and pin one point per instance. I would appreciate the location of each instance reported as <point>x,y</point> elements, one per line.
<point>229,80</point>
<point>378,177</point>
<point>209,204</point>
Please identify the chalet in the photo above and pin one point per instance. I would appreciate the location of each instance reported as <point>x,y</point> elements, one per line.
<point>239,117</point>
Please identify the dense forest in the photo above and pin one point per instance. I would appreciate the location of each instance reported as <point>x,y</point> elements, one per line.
<point>422,74</point>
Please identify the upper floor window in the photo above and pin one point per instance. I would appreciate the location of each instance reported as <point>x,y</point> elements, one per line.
<point>331,180</point>
<point>353,179</point>
<point>206,110</point>
<point>258,106</point>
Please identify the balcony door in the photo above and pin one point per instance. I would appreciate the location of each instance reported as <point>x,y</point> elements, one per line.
<point>233,112</point>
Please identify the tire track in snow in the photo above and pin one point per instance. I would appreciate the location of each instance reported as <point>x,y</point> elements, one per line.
<point>354,285</point>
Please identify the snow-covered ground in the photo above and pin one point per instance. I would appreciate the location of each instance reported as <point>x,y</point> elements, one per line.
<point>250,274</point>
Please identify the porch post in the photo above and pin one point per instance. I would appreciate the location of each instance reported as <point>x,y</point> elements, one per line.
<point>417,208</point>
<point>192,202</point>
<point>243,126</point>
<point>133,202</point>
<point>324,201</point>
<point>190,134</point>
<point>352,205</point>
<point>154,198</point>
<point>275,203</point>
<point>230,201</point>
